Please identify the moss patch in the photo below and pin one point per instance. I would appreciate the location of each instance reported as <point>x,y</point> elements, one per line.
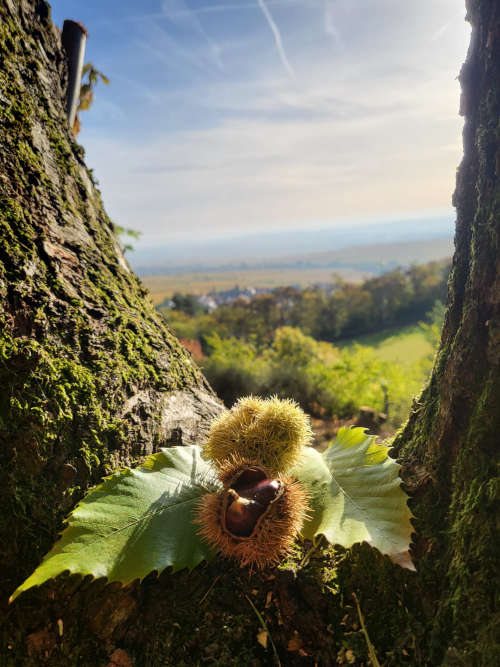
<point>79,339</point>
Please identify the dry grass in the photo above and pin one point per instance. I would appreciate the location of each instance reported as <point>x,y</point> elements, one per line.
<point>202,282</point>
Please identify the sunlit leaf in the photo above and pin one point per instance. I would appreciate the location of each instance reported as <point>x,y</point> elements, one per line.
<point>135,522</point>
<point>356,495</point>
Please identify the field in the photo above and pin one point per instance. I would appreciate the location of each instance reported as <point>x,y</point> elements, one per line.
<point>161,287</point>
<point>404,345</point>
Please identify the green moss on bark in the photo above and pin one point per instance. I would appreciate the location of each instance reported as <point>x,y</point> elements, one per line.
<point>85,362</point>
<point>450,445</point>
<point>205,617</point>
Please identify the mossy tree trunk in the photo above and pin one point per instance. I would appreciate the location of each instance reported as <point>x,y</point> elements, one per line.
<point>92,380</point>
<point>450,445</point>
<point>90,377</point>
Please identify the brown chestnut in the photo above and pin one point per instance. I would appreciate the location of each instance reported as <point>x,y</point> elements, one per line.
<point>242,516</point>
<point>262,492</point>
<point>247,500</point>
<point>254,518</point>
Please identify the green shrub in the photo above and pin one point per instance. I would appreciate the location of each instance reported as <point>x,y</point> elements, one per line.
<point>233,368</point>
<point>324,380</point>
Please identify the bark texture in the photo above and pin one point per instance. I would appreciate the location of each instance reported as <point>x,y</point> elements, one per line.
<point>92,380</point>
<point>90,376</point>
<point>451,443</point>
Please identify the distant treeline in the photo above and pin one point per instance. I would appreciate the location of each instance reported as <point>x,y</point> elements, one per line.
<point>329,313</point>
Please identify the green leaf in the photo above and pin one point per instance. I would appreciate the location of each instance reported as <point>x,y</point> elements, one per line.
<point>135,522</point>
<point>356,495</point>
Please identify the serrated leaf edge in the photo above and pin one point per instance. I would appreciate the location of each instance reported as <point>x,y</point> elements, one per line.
<point>124,472</point>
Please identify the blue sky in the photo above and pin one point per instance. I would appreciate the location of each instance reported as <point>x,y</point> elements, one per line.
<point>230,117</point>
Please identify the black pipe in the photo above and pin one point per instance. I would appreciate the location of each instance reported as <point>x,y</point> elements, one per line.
<point>74,37</point>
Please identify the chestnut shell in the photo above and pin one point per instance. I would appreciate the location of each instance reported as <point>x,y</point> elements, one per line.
<point>247,500</point>
<point>275,529</point>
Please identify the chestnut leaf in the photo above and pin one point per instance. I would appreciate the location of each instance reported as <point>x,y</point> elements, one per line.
<point>135,522</point>
<point>356,495</point>
<point>142,520</point>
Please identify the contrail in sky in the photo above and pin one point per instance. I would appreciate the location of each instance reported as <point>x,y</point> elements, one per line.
<point>173,9</point>
<point>329,22</point>
<point>277,38</point>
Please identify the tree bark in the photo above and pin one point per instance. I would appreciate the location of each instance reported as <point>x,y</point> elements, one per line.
<point>450,444</point>
<point>93,380</point>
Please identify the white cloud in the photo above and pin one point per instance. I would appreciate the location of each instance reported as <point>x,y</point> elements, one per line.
<point>365,130</point>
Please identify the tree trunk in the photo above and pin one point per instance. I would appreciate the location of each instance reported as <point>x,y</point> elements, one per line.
<point>450,444</point>
<point>92,380</point>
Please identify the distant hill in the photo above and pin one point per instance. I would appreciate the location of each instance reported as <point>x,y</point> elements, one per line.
<point>353,264</point>
<point>289,247</point>
<point>377,257</point>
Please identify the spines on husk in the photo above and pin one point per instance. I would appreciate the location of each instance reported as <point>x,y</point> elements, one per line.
<point>272,431</point>
<point>274,532</point>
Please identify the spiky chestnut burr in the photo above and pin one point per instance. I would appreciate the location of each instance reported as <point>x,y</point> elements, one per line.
<point>256,517</point>
<point>271,431</point>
